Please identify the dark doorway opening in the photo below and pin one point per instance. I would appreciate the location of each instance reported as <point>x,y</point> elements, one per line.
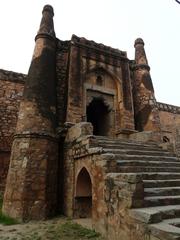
<point>98,114</point>
<point>83,198</point>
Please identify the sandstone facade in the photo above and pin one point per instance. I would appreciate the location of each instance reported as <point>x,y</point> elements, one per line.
<point>86,134</point>
<point>12,86</point>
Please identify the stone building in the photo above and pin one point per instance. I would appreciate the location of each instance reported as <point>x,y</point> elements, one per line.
<point>82,134</point>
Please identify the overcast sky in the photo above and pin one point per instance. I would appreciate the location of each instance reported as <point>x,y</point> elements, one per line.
<point>116,23</point>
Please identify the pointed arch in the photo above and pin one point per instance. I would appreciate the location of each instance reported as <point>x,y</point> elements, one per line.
<point>100,69</point>
<point>83,183</point>
<point>83,195</point>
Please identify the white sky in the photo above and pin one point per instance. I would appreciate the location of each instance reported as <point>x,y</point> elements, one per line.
<point>116,23</point>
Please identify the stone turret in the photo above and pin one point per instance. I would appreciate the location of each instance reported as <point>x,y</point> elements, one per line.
<point>32,178</point>
<point>146,112</point>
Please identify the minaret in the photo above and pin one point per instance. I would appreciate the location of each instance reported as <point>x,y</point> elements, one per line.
<point>146,112</point>
<point>31,187</point>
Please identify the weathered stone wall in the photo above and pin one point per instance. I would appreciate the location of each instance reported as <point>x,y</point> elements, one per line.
<point>62,60</point>
<point>39,181</point>
<point>79,155</point>
<point>146,112</point>
<point>87,62</point>
<point>113,194</point>
<point>34,155</point>
<point>169,119</point>
<point>4,165</point>
<point>123,192</point>
<point>11,91</point>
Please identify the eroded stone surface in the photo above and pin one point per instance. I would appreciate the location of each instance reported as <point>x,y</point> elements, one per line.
<point>75,90</point>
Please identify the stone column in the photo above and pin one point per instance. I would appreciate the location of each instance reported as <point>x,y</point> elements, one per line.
<point>146,111</point>
<point>31,188</point>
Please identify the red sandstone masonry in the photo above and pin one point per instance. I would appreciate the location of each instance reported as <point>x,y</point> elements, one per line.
<point>146,111</point>
<point>11,91</point>
<point>61,84</point>
<point>33,165</point>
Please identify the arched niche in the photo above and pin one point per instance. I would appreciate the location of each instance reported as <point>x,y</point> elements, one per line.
<point>83,195</point>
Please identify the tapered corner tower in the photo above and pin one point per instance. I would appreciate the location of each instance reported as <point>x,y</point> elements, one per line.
<point>32,178</point>
<point>146,112</point>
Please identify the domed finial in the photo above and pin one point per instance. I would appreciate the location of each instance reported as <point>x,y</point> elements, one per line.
<point>48,8</point>
<point>46,26</point>
<point>140,55</point>
<point>138,41</point>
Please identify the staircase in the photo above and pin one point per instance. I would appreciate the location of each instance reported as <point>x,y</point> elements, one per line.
<point>160,171</point>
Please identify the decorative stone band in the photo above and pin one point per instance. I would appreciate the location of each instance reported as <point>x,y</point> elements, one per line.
<point>168,108</point>
<point>45,35</point>
<point>52,138</point>
<point>141,66</point>
<point>12,76</point>
<point>83,42</point>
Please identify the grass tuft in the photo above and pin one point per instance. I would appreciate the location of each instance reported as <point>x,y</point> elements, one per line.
<point>76,231</point>
<point>5,220</point>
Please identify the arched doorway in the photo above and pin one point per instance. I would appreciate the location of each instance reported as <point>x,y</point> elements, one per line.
<point>83,197</point>
<point>98,114</point>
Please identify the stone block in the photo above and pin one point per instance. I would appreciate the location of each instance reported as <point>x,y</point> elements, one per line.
<point>79,130</point>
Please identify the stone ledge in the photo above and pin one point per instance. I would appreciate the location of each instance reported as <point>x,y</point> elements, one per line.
<point>12,76</point>
<point>98,46</point>
<point>52,138</point>
<point>168,108</point>
<point>141,66</point>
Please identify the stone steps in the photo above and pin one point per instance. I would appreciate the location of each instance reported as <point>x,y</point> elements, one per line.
<point>156,214</point>
<point>161,221</point>
<point>153,176</point>
<point>143,157</point>
<point>160,171</point>
<point>160,175</point>
<point>125,151</point>
<point>163,191</point>
<point>124,141</point>
<point>161,201</point>
<point>161,183</point>
<point>136,169</point>
<point>167,229</point>
<point>143,163</point>
<point>128,146</point>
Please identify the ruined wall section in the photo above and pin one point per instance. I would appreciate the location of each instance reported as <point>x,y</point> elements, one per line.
<point>170,124</point>
<point>11,91</point>
<point>62,62</point>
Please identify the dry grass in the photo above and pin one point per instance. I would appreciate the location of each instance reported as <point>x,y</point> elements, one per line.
<point>56,229</point>
<point>5,220</point>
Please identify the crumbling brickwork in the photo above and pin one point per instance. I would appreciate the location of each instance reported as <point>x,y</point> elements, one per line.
<point>33,168</point>
<point>87,138</point>
<point>11,91</point>
<point>88,62</point>
<point>146,112</point>
<point>62,61</point>
<point>170,121</point>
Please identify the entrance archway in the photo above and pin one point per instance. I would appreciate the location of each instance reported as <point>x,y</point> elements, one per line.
<point>98,114</point>
<point>83,198</point>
